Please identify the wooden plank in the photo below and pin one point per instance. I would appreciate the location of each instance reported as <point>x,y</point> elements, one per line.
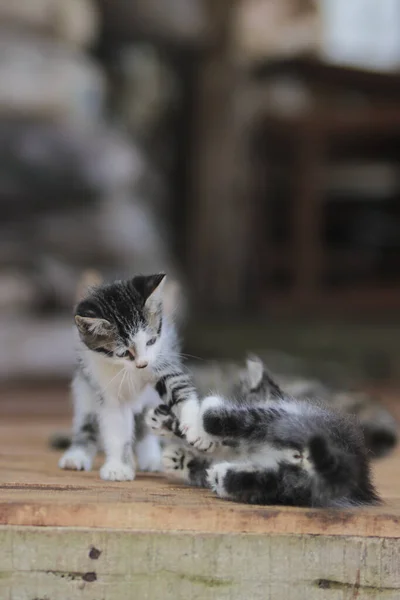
<point>34,492</point>
<point>60,564</point>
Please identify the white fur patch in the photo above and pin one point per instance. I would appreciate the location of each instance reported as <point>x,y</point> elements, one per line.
<point>255,371</point>
<point>211,402</point>
<point>148,454</point>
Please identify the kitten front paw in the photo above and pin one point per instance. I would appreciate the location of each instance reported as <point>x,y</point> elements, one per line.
<point>76,459</point>
<point>192,430</point>
<point>114,470</point>
<point>159,420</point>
<point>216,478</point>
<point>175,460</point>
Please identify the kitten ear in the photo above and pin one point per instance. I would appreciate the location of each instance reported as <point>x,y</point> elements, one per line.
<point>153,291</point>
<point>172,294</point>
<point>93,326</point>
<point>255,371</point>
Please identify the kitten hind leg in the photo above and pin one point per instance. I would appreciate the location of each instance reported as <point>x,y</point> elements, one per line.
<point>80,455</point>
<point>244,482</point>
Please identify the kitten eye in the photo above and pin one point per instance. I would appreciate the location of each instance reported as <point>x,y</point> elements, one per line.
<point>125,354</point>
<point>151,341</point>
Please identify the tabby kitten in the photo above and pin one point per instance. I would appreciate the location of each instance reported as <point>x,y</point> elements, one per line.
<point>127,348</point>
<point>379,426</point>
<point>269,448</point>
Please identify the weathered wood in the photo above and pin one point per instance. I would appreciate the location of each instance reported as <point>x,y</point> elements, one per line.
<point>67,536</point>
<point>33,491</point>
<point>60,564</point>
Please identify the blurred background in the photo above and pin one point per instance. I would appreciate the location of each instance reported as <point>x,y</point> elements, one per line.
<point>249,148</point>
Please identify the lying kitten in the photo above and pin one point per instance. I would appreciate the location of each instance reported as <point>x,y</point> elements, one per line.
<point>379,426</point>
<point>126,347</point>
<point>269,448</point>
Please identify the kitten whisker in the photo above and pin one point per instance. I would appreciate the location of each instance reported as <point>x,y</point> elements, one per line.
<point>124,372</point>
<point>183,355</point>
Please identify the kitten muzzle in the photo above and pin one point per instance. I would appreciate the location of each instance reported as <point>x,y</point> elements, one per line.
<point>141,364</point>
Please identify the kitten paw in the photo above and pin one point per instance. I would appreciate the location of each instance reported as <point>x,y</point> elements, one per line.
<point>216,477</point>
<point>200,440</point>
<point>76,459</point>
<point>114,470</point>
<point>192,430</point>
<point>175,460</point>
<point>159,419</point>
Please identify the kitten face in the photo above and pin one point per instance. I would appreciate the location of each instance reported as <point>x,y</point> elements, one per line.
<point>123,320</point>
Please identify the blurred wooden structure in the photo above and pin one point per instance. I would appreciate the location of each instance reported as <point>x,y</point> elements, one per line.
<point>308,138</point>
<point>221,231</point>
<point>67,535</point>
<point>219,218</point>
<point>231,251</point>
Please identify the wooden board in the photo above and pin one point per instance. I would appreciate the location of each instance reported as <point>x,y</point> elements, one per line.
<point>33,491</point>
<point>61,564</point>
<point>71,536</point>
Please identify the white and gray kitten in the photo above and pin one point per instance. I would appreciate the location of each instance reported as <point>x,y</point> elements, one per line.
<point>267,447</point>
<point>128,358</point>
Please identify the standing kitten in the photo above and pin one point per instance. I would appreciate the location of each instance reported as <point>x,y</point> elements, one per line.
<point>272,449</point>
<point>126,346</point>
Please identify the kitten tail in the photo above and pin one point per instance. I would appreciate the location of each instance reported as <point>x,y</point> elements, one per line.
<point>60,441</point>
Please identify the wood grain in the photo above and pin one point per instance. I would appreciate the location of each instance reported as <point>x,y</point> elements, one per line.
<point>34,492</point>
<point>93,564</point>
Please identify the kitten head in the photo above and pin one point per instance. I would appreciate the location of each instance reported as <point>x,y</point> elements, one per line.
<point>124,320</point>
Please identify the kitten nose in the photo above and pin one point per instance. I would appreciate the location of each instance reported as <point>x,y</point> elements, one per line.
<point>141,364</point>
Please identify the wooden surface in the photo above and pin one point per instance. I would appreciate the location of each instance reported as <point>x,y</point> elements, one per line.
<point>33,491</point>
<point>70,536</point>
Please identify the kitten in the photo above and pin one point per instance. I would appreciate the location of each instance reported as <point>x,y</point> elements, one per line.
<point>379,426</point>
<point>269,448</point>
<point>127,348</point>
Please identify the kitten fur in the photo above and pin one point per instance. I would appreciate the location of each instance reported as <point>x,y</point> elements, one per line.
<point>128,358</point>
<point>379,426</point>
<point>270,448</point>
